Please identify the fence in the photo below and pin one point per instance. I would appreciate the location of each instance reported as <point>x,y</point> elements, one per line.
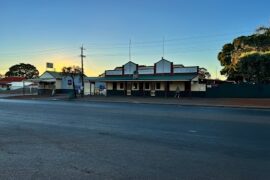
<point>19,90</point>
<point>239,91</point>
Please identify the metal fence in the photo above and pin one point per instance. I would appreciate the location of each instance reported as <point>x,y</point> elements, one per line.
<point>20,90</point>
<point>239,91</point>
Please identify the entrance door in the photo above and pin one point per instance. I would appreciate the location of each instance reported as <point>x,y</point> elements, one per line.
<point>153,87</point>
<point>129,86</point>
<point>125,88</point>
<point>141,91</point>
<point>188,88</point>
<point>141,86</point>
<point>167,88</point>
<point>114,86</point>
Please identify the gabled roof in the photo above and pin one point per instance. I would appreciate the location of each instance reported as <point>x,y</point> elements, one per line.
<point>56,75</point>
<point>163,60</point>
<point>130,62</point>
<point>7,80</point>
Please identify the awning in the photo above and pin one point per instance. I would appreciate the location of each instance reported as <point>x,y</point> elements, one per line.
<point>174,77</point>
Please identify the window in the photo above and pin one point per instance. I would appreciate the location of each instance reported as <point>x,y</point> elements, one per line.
<point>147,85</point>
<point>135,86</point>
<point>158,85</point>
<point>114,86</point>
<point>121,85</point>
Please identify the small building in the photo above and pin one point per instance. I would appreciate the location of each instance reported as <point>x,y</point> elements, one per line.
<point>96,87</point>
<point>60,83</point>
<point>162,79</point>
<point>12,83</point>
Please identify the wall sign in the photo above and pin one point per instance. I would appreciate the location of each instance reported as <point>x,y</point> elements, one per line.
<point>69,82</point>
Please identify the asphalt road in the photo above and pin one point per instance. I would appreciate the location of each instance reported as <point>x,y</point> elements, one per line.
<point>75,140</point>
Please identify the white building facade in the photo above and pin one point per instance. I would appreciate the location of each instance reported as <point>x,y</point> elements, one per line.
<point>51,81</point>
<point>162,79</point>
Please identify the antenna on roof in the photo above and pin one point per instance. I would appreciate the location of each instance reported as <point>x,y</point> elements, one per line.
<point>129,49</point>
<point>163,47</point>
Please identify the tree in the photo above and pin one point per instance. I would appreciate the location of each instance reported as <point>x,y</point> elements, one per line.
<point>23,70</point>
<point>225,58</point>
<point>263,30</point>
<point>255,68</point>
<point>242,46</point>
<point>72,72</point>
<point>204,74</point>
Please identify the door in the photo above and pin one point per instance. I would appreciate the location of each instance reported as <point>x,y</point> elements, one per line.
<point>153,91</point>
<point>141,91</point>
<point>141,86</point>
<point>167,88</point>
<point>188,88</point>
<point>129,86</point>
<point>114,86</point>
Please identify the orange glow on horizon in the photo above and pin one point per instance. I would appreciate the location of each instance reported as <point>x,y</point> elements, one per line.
<point>64,62</point>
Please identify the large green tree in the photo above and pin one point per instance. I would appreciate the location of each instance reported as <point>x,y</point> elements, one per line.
<point>231,53</point>
<point>23,70</point>
<point>255,68</point>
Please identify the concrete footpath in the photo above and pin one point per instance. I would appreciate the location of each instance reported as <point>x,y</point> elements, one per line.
<point>212,102</point>
<point>219,102</point>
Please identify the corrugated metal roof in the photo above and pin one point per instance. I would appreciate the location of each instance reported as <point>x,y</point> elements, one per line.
<point>93,79</point>
<point>11,79</point>
<point>175,77</point>
<point>55,74</point>
<point>58,75</point>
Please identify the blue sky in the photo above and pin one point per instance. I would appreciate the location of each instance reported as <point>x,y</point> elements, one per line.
<point>40,31</point>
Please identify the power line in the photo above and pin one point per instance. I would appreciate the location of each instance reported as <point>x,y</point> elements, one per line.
<point>179,51</point>
<point>158,43</point>
<point>173,39</point>
<point>37,51</point>
<point>193,48</point>
<point>142,44</point>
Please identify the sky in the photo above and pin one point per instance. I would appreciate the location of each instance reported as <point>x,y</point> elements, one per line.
<point>194,31</point>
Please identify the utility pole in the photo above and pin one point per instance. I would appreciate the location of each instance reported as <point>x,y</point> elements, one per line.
<point>82,73</point>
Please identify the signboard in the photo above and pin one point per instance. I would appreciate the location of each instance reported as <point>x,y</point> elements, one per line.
<point>113,72</point>
<point>69,82</point>
<point>49,65</point>
<point>185,69</point>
